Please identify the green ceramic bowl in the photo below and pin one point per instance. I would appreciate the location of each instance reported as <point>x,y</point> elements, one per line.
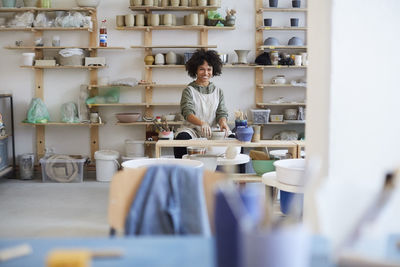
<point>263,166</point>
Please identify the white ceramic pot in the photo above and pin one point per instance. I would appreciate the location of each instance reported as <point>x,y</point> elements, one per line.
<point>130,20</point>
<point>136,2</point>
<point>290,171</point>
<point>167,19</point>
<point>279,79</point>
<point>148,2</point>
<point>193,19</point>
<point>164,3</point>
<point>171,58</point>
<point>174,3</point>
<point>202,2</point>
<point>139,163</point>
<point>155,19</point>
<point>184,2</point>
<point>139,20</point>
<point>120,20</point>
<point>159,59</point>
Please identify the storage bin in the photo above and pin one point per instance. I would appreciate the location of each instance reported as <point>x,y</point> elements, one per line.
<point>260,116</point>
<point>3,153</point>
<point>62,169</point>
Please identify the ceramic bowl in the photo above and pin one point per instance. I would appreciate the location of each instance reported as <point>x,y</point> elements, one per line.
<point>263,166</point>
<point>87,3</point>
<point>170,117</point>
<point>217,135</point>
<point>290,171</point>
<point>271,41</point>
<point>139,163</point>
<point>296,41</point>
<point>209,161</point>
<point>127,117</point>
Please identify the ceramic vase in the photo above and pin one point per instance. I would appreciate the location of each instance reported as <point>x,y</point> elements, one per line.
<point>193,3</point>
<point>136,2</point>
<point>167,19</point>
<point>184,2</point>
<point>164,3</point>
<point>230,21</point>
<point>193,19</point>
<point>242,56</point>
<point>120,20</point>
<point>175,3</point>
<point>139,20</point>
<point>202,2</point>
<point>148,2</point>
<point>244,134</point>
<point>130,20</point>
<point>155,19</point>
<point>149,60</point>
<point>213,2</point>
<point>30,3</point>
<point>159,59</point>
<point>171,58</point>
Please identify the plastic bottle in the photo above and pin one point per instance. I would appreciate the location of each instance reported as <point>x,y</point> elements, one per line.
<point>103,34</point>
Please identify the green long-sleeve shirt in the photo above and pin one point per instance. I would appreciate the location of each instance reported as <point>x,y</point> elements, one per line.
<point>187,104</point>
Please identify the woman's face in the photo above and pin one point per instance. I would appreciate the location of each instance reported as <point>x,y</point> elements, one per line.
<point>204,73</point>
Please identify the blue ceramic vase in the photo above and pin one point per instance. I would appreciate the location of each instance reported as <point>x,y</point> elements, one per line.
<point>244,134</point>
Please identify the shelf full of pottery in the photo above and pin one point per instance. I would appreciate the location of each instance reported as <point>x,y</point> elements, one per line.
<point>207,18</point>
<point>38,19</point>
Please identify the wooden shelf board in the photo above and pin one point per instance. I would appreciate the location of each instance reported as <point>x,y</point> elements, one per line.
<point>2,29</point>
<point>172,8</point>
<point>181,27</point>
<point>64,67</point>
<point>224,66</point>
<point>245,178</point>
<point>281,104</point>
<point>279,85</point>
<point>275,9</point>
<point>147,123</point>
<point>173,46</point>
<point>39,9</point>
<point>61,47</point>
<point>264,28</point>
<point>4,137</point>
<point>289,47</point>
<point>63,124</point>
<point>150,142</point>
<point>165,66</point>
<point>281,123</point>
<point>279,67</point>
<point>133,104</point>
<point>239,65</point>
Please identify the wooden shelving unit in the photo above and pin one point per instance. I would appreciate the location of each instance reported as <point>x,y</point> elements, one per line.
<point>148,50</point>
<point>261,86</point>
<point>133,105</point>
<point>61,47</point>
<point>145,123</point>
<point>39,70</point>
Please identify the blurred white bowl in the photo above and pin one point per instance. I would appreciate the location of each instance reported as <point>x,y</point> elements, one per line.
<point>290,171</point>
<point>87,3</point>
<point>138,163</point>
<point>209,161</point>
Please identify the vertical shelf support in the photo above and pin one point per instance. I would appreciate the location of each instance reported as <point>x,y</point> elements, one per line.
<point>39,93</point>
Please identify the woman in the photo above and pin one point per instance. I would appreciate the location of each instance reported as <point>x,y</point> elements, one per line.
<point>202,103</point>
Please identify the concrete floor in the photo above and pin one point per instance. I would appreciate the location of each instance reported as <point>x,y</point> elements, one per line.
<point>36,209</point>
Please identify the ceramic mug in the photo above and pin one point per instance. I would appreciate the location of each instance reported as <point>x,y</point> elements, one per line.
<point>297,60</point>
<point>279,79</point>
<point>120,20</point>
<point>130,20</point>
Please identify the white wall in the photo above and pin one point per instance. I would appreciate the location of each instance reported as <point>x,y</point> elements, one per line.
<point>358,136</point>
<point>63,85</point>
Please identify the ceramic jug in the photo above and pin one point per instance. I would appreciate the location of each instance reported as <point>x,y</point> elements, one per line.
<point>171,58</point>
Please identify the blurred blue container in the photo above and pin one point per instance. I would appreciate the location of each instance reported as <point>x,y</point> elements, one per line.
<point>3,153</point>
<point>287,198</point>
<point>244,134</point>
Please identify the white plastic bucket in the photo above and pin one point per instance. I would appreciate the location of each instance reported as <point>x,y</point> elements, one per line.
<point>28,58</point>
<point>106,164</point>
<point>134,148</point>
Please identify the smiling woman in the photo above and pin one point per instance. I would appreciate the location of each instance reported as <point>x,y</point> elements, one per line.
<point>202,103</point>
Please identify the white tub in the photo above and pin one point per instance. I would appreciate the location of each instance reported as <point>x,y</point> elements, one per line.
<point>137,163</point>
<point>290,171</point>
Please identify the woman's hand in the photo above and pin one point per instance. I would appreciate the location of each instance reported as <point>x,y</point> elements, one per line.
<point>224,126</point>
<point>205,130</point>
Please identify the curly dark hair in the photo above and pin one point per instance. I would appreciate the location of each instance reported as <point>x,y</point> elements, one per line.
<point>198,58</point>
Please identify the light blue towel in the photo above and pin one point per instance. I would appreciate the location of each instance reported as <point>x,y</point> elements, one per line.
<point>170,200</point>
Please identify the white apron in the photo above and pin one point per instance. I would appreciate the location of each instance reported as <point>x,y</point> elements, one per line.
<point>205,108</point>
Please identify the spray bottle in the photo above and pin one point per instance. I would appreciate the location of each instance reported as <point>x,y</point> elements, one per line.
<point>103,34</point>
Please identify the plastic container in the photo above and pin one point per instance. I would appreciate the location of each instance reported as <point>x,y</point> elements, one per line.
<point>106,164</point>
<point>26,166</point>
<point>62,169</point>
<point>3,153</point>
<point>260,116</point>
<point>28,59</point>
<point>134,148</point>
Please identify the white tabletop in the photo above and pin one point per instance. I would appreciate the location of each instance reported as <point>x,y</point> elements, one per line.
<point>269,179</point>
<point>222,161</point>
